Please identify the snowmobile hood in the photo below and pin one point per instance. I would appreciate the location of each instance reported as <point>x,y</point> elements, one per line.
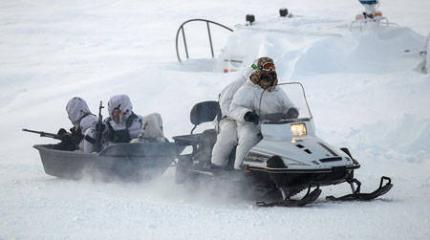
<point>76,109</point>
<point>304,152</point>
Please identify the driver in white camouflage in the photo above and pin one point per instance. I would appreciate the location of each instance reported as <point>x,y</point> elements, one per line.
<point>257,97</point>
<point>227,128</point>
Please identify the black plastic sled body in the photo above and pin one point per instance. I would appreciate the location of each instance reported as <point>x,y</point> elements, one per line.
<point>128,161</point>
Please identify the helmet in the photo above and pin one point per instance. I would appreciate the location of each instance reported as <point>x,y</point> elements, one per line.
<point>265,73</point>
<point>120,108</point>
<point>76,109</point>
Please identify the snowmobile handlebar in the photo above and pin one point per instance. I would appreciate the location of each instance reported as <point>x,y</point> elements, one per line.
<point>44,134</point>
<point>292,114</point>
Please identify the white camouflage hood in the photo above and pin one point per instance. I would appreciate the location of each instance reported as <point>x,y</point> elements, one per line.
<point>121,102</point>
<point>76,109</point>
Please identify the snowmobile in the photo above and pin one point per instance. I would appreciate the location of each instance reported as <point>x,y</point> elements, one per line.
<point>139,161</point>
<point>289,158</point>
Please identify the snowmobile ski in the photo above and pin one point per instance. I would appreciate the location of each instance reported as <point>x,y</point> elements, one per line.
<point>357,195</point>
<point>310,197</point>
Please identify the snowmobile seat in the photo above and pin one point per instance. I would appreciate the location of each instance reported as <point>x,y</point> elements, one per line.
<point>201,143</point>
<point>200,113</point>
<point>203,151</point>
<point>204,112</point>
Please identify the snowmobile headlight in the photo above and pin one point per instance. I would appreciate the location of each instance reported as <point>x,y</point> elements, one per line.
<point>298,129</point>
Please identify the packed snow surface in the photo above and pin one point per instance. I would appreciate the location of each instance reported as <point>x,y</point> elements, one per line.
<point>363,90</point>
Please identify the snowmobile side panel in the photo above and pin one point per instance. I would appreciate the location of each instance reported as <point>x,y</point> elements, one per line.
<point>304,179</point>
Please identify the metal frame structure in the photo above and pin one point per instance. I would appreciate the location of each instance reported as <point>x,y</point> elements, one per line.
<point>181,30</point>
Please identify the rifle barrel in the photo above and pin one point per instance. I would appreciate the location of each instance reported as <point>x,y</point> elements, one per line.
<point>32,131</point>
<point>43,134</point>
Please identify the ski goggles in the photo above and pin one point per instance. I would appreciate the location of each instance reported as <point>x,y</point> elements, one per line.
<point>268,67</point>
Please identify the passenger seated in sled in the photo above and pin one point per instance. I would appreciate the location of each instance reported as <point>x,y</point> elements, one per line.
<point>82,119</point>
<point>226,139</point>
<point>248,104</point>
<point>124,126</point>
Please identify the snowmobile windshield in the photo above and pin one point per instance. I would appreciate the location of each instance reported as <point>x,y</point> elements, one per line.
<point>287,105</point>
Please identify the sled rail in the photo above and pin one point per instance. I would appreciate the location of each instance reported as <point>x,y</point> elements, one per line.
<point>181,31</point>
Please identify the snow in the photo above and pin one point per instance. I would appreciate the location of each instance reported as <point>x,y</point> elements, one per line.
<point>363,90</point>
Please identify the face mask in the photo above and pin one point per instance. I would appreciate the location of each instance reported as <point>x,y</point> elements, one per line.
<point>267,79</point>
<point>117,115</point>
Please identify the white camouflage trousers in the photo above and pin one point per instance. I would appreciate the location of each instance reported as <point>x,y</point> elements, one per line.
<point>225,142</point>
<point>249,135</point>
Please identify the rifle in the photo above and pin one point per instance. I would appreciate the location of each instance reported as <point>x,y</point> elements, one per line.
<point>99,129</point>
<point>45,134</point>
